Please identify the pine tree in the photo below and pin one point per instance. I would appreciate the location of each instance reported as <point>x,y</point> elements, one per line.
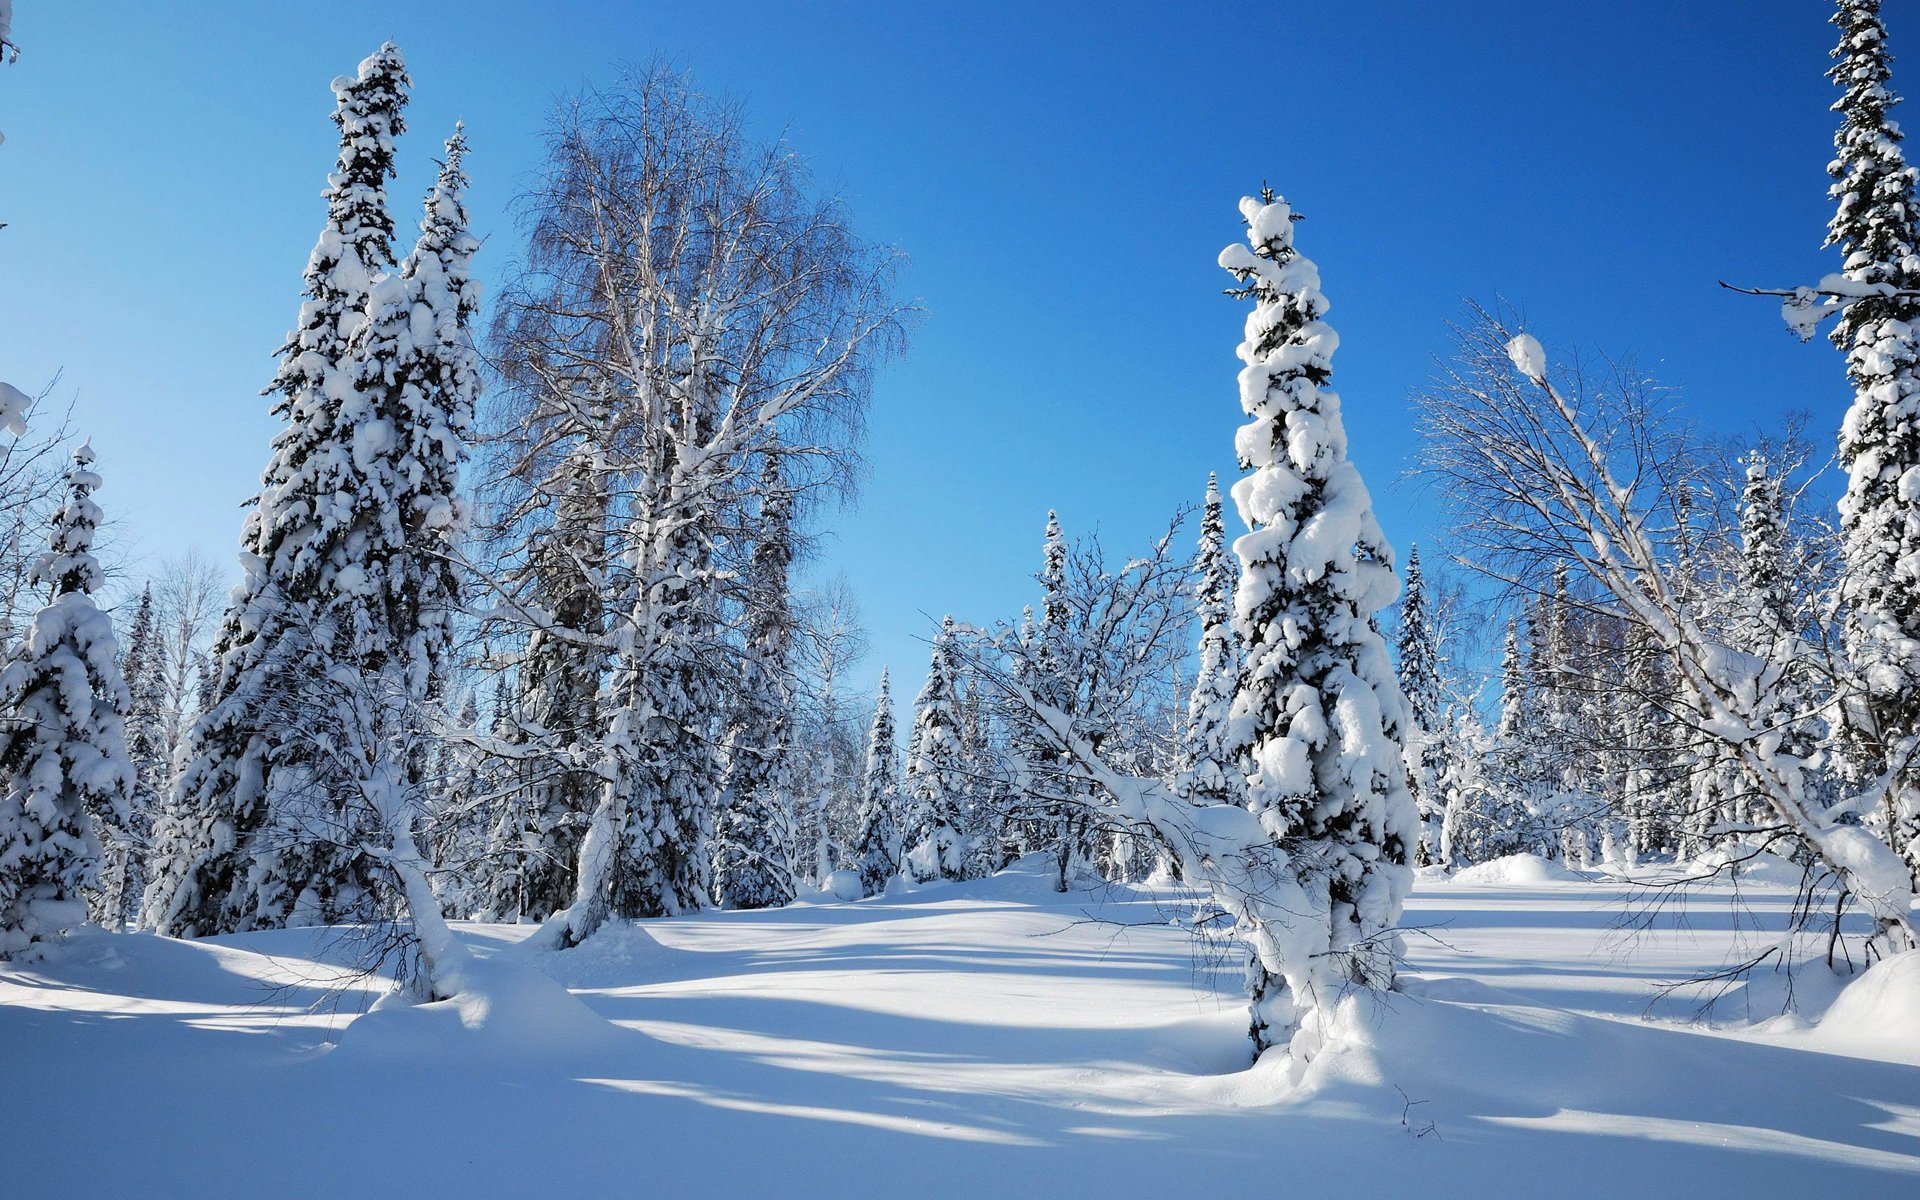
<point>63,754</point>
<point>936,780</point>
<point>1317,705</point>
<point>877,849</point>
<point>753,866</point>
<point>254,838</point>
<point>1874,227</point>
<point>1209,772</point>
<point>1419,664</point>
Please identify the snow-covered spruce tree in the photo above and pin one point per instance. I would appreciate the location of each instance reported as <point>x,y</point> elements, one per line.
<point>65,777</point>
<point>877,849</point>
<point>124,875</point>
<point>1318,708</point>
<point>1471,827</point>
<point>558,720</point>
<point>1874,227</point>
<point>754,858</point>
<point>1209,772</point>
<point>345,552</point>
<point>1419,667</point>
<point>1062,829</point>
<point>936,781</point>
<point>415,361</point>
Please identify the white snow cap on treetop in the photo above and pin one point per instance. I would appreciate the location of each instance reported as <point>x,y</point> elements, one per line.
<point>1528,357</point>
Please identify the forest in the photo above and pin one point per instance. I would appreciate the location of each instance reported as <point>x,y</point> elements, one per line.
<point>532,702</point>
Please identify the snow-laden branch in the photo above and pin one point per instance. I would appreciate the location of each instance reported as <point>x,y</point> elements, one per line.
<point>1805,309</point>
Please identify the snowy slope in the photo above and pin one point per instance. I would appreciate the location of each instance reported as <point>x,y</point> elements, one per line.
<point>976,1039</point>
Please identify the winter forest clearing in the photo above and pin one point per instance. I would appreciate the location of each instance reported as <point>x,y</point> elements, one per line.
<point>526,817</point>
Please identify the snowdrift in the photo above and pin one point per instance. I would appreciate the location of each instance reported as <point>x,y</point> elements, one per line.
<point>1516,870</point>
<point>945,1040</point>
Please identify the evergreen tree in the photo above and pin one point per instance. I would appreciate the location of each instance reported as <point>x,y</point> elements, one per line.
<point>877,849</point>
<point>1874,227</point>
<point>936,780</point>
<point>754,863</point>
<point>1209,772</point>
<point>124,877</point>
<point>560,711</point>
<point>1317,705</point>
<point>63,754</point>
<point>344,551</point>
<point>1419,664</point>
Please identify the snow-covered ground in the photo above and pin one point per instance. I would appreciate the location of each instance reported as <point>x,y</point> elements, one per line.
<point>982,1039</point>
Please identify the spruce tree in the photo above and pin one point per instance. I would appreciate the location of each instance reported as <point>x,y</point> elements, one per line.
<point>252,839</point>
<point>1874,227</point>
<point>753,865</point>
<point>1210,773</point>
<point>1317,706</point>
<point>65,777</point>
<point>936,780</point>
<point>1419,665</point>
<point>877,848</point>
<point>124,877</point>
<point>560,709</point>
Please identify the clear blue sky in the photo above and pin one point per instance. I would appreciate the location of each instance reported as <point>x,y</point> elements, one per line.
<point>1061,176</point>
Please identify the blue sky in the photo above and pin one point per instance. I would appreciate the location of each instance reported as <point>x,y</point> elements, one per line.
<point>1061,177</point>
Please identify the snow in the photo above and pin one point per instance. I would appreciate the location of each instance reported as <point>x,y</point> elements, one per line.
<point>1528,357</point>
<point>1878,1013</point>
<point>843,885</point>
<point>1516,870</point>
<point>966,1037</point>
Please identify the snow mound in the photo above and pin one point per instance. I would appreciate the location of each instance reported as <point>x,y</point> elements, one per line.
<point>843,885</point>
<point>507,1011</point>
<point>1749,867</point>
<point>1878,1012</point>
<point>1517,869</point>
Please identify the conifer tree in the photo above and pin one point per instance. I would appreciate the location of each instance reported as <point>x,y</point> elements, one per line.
<point>1210,773</point>
<point>65,777</point>
<point>124,876</point>
<point>1874,227</point>
<point>936,782</point>
<point>1317,703</point>
<point>754,862</point>
<point>877,849</point>
<point>560,709</point>
<point>247,844</point>
<point>1420,682</point>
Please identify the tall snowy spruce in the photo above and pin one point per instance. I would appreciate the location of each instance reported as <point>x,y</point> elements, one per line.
<point>344,556</point>
<point>64,766</point>
<point>1318,710</point>
<point>124,877</point>
<point>1874,227</point>
<point>936,781</point>
<point>1210,773</point>
<point>877,848</point>
<point>1419,664</point>
<point>753,865</point>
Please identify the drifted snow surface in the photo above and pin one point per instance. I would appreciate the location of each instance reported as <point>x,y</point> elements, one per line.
<point>990,1038</point>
